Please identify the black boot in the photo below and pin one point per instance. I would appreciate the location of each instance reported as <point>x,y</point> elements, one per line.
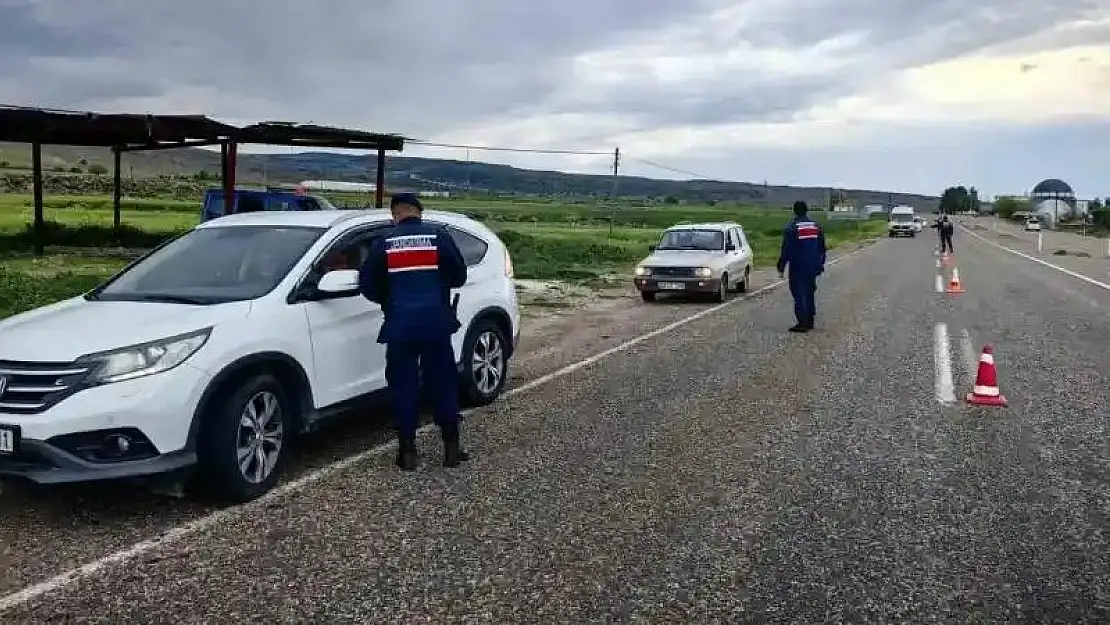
<point>453,454</point>
<point>799,328</point>
<point>407,457</point>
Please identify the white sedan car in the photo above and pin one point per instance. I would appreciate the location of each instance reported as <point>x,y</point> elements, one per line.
<point>711,258</point>
<point>1032,225</point>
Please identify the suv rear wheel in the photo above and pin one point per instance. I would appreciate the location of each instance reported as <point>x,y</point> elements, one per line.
<point>244,440</point>
<point>485,364</point>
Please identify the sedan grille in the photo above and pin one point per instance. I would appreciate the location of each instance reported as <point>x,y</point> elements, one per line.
<point>31,387</point>
<point>673,272</point>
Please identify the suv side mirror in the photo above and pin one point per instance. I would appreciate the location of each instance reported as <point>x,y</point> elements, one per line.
<point>340,283</point>
<point>730,247</point>
<point>651,248</point>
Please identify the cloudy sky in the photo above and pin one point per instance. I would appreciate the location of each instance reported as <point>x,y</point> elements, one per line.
<point>896,94</point>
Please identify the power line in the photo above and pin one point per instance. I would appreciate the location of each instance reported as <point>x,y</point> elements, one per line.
<point>490,148</point>
<point>673,170</point>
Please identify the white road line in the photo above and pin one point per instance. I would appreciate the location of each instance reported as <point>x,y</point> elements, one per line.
<point>939,285</point>
<point>971,358</point>
<point>219,517</point>
<point>942,363</point>
<point>1068,272</point>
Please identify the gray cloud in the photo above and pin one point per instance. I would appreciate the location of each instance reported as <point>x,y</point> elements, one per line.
<point>424,67</point>
<point>889,35</point>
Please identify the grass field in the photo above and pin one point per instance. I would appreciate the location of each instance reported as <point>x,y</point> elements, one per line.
<point>548,240</point>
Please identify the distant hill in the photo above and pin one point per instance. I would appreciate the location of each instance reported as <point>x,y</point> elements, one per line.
<point>441,174</point>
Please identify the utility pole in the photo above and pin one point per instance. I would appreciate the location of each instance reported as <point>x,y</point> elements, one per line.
<point>613,192</point>
<point>468,166</point>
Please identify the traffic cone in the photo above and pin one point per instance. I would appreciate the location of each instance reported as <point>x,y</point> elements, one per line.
<point>985,392</point>
<point>954,285</point>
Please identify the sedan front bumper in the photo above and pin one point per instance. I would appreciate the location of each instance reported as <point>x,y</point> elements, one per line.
<point>678,285</point>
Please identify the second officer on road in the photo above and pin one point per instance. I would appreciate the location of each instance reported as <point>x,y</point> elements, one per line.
<point>410,272</point>
<point>803,250</point>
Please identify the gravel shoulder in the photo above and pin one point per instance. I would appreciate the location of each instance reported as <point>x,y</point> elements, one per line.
<point>723,472</point>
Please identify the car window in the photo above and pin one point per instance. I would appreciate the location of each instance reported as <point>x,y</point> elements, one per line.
<point>250,204</point>
<point>743,239</point>
<point>692,239</point>
<point>308,204</point>
<point>473,249</point>
<point>734,238</point>
<point>281,204</point>
<point>351,251</point>
<point>213,265</point>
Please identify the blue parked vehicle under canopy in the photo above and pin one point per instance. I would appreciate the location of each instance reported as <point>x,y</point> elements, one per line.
<point>257,200</point>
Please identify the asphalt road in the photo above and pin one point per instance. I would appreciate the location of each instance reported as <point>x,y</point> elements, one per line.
<point>723,471</point>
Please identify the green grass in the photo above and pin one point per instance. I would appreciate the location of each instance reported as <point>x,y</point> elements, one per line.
<point>24,204</point>
<point>573,242</point>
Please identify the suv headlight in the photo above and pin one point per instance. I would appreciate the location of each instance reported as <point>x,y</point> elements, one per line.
<point>643,271</point>
<point>136,361</point>
<point>703,272</point>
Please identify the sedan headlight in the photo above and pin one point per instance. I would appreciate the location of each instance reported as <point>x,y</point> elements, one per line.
<point>703,272</point>
<point>643,271</point>
<point>136,361</point>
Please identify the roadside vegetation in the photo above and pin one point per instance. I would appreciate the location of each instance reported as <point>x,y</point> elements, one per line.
<point>583,243</point>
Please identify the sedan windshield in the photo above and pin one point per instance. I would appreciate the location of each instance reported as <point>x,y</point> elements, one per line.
<point>691,239</point>
<point>213,265</point>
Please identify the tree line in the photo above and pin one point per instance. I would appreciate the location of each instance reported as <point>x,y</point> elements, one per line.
<point>959,199</point>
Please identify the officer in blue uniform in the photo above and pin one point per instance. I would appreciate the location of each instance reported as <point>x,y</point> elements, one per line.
<point>803,250</point>
<point>410,272</point>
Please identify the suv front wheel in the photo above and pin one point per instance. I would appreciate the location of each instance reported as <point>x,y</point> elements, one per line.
<point>244,440</point>
<point>485,364</point>
<point>742,285</point>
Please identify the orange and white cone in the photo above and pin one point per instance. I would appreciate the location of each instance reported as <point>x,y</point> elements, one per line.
<point>954,285</point>
<point>985,392</point>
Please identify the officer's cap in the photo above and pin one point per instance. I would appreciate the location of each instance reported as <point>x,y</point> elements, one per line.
<point>405,198</point>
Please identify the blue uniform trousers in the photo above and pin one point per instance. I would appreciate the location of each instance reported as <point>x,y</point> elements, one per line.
<point>434,360</point>
<point>803,288</point>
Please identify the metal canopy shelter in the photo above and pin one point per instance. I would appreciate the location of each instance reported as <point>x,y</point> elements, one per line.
<point>312,136</point>
<point>137,132</point>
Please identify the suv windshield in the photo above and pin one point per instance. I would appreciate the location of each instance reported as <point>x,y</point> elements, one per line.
<point>213,265</point>
<point>901,218</point>
<point>692,239</point>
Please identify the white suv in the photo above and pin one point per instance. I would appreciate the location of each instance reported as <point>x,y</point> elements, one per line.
<point>213,351</point>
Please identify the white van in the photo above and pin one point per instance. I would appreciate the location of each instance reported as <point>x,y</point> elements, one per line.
<point>902,222</point>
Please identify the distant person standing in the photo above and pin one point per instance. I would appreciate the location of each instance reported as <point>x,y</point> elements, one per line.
<point>945,229</point>
<point>410,272</point>
<point>804,253</point>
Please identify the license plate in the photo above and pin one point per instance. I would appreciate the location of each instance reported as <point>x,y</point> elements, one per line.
<point>9,439</point>
<point>672,286</point>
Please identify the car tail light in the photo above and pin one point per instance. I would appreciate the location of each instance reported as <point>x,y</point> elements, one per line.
<point>508,264</point>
